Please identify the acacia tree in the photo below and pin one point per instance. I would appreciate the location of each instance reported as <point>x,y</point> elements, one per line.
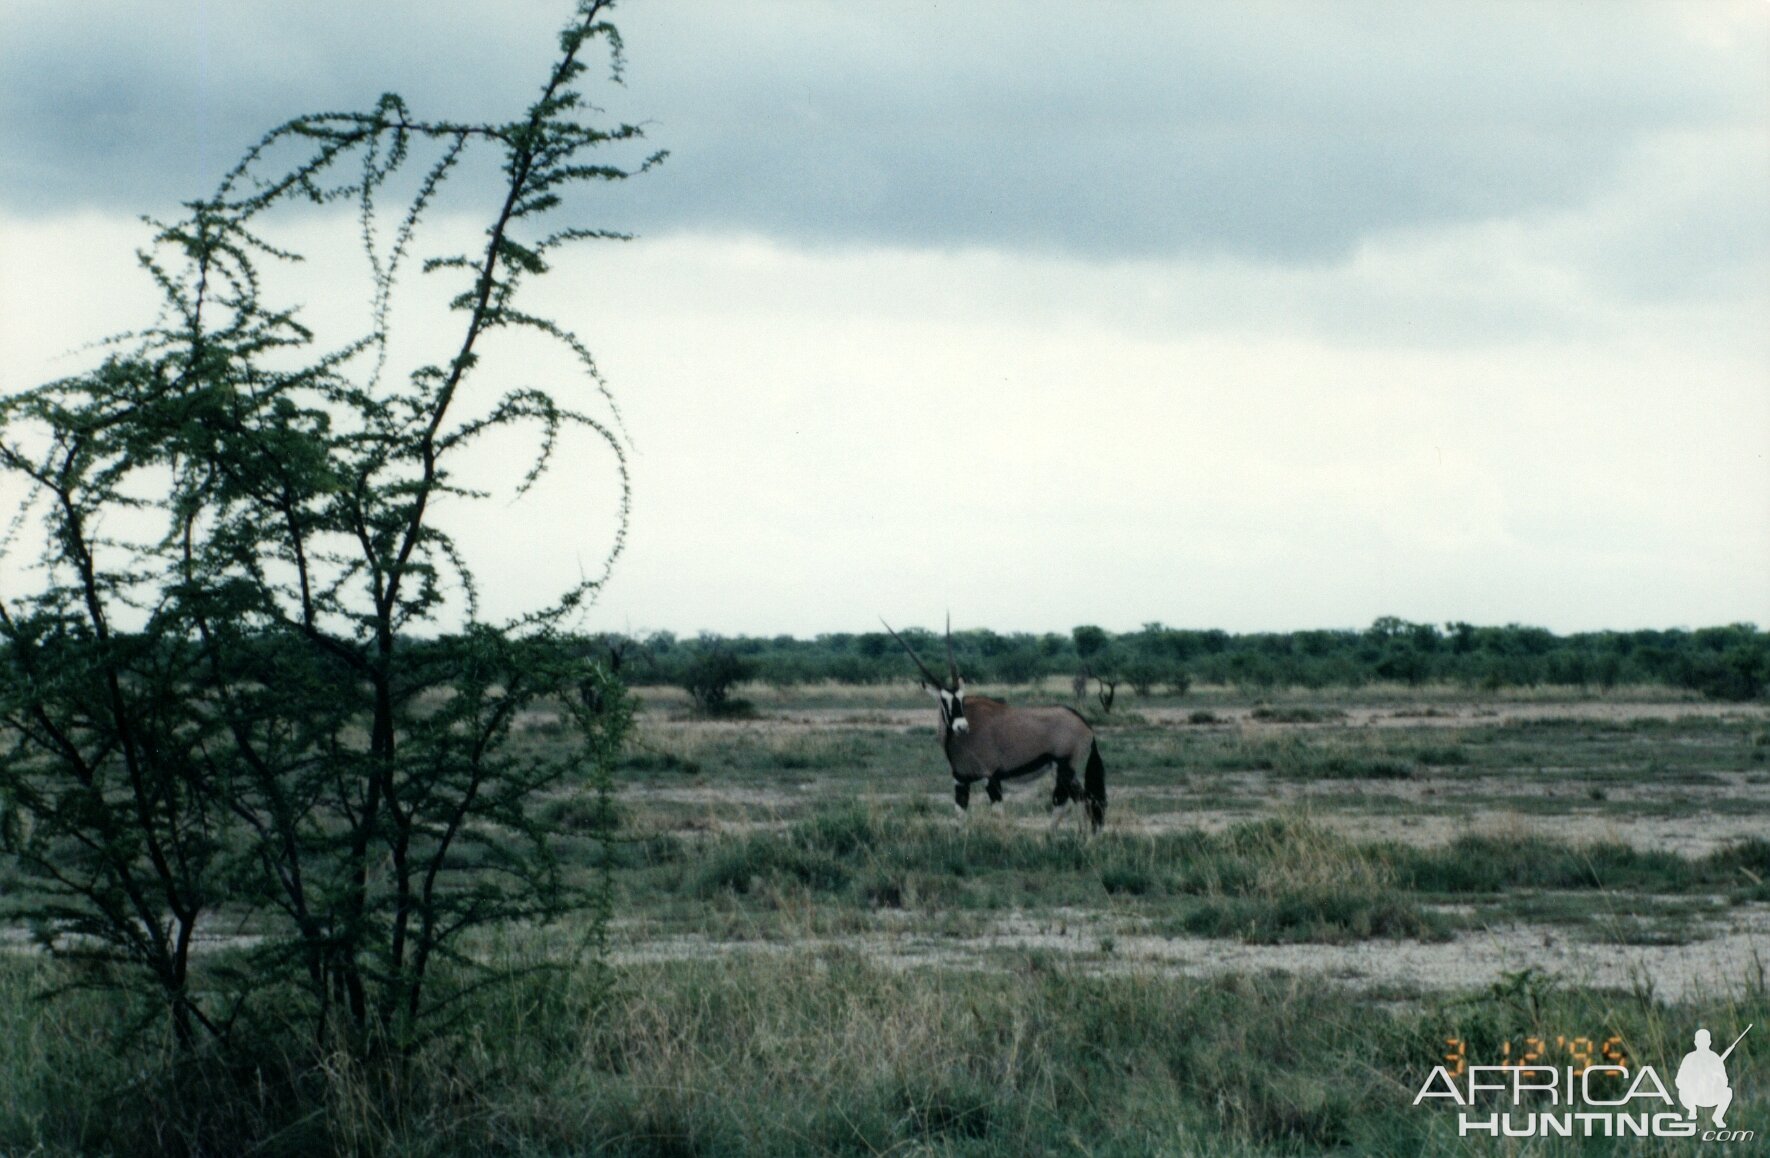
<point>254,691</point>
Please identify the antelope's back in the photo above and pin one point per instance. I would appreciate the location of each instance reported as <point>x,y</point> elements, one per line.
<point>1022,735</point>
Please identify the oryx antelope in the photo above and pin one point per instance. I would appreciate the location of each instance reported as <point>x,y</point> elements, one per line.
<point>987,740</point>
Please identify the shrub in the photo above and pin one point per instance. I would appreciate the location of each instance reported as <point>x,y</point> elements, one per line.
<point>711,677</point>
<point>258,706</point>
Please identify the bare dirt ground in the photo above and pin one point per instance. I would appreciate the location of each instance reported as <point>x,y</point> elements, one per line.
<point>1691,810</point>
<point>1431,807</point>
<point>1687,835</point>
<point>1439,713</point>
<point>1733,958</point>
<point>1453,715</point>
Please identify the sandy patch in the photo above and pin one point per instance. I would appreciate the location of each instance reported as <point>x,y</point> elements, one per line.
<point>1692,836</point>
<point>1453,715</point>
<point>1731,961</point>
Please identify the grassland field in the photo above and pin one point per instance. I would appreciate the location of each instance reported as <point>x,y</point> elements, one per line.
<point>1300,904</point>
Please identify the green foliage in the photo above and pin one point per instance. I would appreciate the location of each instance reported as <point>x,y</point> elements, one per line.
<point>1442,756</point>
<point>710,678</point>
<point>1327,916</point>
<point>1266,881</point>
<point>1295,757</point>
<point>240,701</point>
<point>1090,642</point>
<point>1486,864</point>
<point>1299,715</point>
<point>1738,671</point>
<point>1727,663</point>
<point>1145,676</point>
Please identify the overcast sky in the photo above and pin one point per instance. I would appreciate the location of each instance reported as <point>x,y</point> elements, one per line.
<point>1223,314</point>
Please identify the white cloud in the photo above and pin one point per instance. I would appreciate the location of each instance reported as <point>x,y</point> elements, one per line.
<point>1029,436</point>
<point>1034,442</point>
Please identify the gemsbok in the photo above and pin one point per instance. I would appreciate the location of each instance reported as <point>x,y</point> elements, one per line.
<point>986,739</point>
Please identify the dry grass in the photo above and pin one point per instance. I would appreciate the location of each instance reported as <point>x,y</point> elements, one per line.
<point>818,958</point>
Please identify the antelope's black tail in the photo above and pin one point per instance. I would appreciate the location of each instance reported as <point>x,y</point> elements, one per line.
<point>1094,786</point>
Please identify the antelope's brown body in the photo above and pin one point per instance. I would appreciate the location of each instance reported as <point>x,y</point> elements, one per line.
<point>1007,743</point>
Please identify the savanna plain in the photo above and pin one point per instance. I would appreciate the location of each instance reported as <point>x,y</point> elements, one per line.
<point>1300,904</point>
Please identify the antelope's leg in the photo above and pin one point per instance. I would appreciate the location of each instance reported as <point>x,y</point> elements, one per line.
<point>1063,793</point>
<point>993,786</point>
<point>961,796</point>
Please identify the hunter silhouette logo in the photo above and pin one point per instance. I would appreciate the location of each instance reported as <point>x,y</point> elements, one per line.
<point>1702,1077</point>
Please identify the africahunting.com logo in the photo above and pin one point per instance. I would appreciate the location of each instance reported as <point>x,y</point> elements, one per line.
<point>1600,1095</point>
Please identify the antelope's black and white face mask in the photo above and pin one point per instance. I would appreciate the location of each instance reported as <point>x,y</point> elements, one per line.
<point>952,707</point>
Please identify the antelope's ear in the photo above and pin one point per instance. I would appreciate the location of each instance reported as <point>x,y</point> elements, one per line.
<point>931,689</point>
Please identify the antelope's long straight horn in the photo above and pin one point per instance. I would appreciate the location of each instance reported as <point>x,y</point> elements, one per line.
<point>952,665</point>
<point>926,674</point>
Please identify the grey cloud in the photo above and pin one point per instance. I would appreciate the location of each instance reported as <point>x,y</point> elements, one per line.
<point>1272,131</point>
<point>137,107</point>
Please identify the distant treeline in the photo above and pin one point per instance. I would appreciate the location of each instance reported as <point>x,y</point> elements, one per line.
<point>1728,663</point>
